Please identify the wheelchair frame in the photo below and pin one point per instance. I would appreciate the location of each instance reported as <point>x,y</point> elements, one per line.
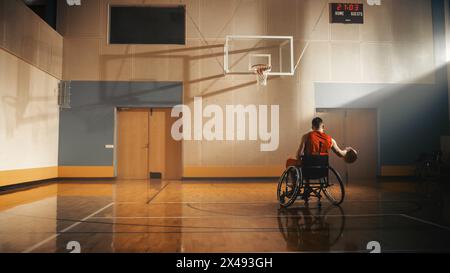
<point>312,179</point>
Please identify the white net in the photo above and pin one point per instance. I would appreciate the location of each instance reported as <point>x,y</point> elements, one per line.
<point>262,73</point>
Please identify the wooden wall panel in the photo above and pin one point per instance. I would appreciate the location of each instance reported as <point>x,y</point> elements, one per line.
<point>345,62</point>
<point>233,172</point>
<point>173,152</point>
<point>115,62</point>
<point>335,127</point>
<point>281,18</point>
<point>215,18</point>
<point>285,97</point>
<point>418,30</point>
<point>245,24</point>
<point>8,178</point>
<point>345,32</point>
<point>378,22</point>
<point>377,62</point>
<point>86,171</point>
<point>193,6</point>
<point>361,134</point>
<point>56,67</point>
<point>192,154</point>
<point>150,63</point>
<point>157,140</point>
<point>81,59</point>
<point>315,69</point>
<point>15,24</point>
<point>26,35</point>
<point>84,20</point>
<point>345,127</point>
<point>30,41</point>
<point>308,11</point>
<point>164,152</point>
<point>45,46</point>
<point>30,116</point>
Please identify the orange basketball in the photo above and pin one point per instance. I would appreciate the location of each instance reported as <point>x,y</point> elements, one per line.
<point>351,156</point>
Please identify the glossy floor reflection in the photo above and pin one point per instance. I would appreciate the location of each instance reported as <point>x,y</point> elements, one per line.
<point>228,216</point>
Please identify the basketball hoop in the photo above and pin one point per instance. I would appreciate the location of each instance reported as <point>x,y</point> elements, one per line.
<point>262,72</point>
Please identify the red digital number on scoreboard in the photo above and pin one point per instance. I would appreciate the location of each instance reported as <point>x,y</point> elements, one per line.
<point>348,7</point>
<point>348,13</point>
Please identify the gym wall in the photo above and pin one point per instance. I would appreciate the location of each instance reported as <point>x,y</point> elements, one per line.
<point>90,123</point>
<point>390,48</point>
<point>30,66</point>
<point>412,106</point>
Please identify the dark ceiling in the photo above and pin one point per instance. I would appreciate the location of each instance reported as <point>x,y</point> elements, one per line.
<point>36,2</point>
<point>46,9</point>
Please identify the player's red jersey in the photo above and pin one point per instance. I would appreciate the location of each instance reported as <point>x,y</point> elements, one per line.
<point>318,143</point>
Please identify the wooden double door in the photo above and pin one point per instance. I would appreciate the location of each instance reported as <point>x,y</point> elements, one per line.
<point>355,128</point>
<point>145,145</point>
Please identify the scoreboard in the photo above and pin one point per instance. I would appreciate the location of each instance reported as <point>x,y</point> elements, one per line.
<point>347,13</point>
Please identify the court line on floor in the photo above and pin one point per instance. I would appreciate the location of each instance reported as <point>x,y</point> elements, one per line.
<point>425,222</point>
<point>198,231</point>
<point>156,194</point>
<point>412,251</point>
<point>243,216</point>
<point>34,247</point>
<point>179,226</point>
<point>263,202</point>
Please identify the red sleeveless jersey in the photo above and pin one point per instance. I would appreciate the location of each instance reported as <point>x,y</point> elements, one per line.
<point>318,143</point>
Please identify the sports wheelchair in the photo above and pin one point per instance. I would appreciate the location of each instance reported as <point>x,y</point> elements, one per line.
<point>312,179</point>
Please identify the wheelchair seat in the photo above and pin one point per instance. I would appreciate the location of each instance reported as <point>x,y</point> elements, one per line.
<point>315,166</point>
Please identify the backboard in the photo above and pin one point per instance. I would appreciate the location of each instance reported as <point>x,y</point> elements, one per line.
<point>243,52</point>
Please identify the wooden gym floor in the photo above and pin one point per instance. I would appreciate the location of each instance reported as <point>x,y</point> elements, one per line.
<point>228,216</point>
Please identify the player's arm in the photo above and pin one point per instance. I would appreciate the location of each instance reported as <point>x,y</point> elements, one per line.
<point>338,151</point>
<point>301,148</point>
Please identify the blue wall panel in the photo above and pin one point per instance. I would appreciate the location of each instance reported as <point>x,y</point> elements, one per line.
<point>88,126</point>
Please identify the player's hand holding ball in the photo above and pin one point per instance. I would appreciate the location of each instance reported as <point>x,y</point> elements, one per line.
<point>351,156</point>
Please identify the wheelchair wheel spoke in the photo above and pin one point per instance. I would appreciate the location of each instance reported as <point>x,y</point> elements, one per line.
<point>288,187</point>
<point>335,192</point>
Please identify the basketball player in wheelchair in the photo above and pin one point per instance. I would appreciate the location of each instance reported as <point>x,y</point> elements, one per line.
<point>310,175</point>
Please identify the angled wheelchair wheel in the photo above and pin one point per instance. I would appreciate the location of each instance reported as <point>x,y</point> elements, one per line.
<point>334,189</point>
<point>289,186</point>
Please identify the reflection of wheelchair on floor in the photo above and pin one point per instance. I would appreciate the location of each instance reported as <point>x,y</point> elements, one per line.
<point>314,178</point>
<point>307,231</point>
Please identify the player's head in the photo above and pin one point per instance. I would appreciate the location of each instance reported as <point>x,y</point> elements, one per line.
<point>317,124</point>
